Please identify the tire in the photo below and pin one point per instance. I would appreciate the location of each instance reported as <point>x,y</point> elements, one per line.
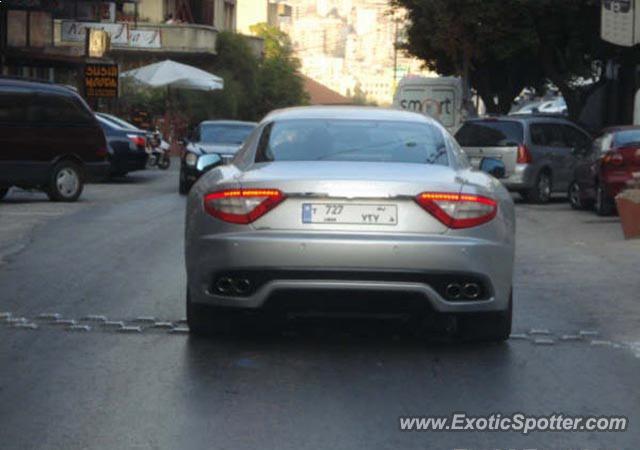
<point>603,205</point>
<point>540,193</point>
<point>3,192</point>
<point>486,327</point>
<point>164,163</point>
<point>183,186</point>
<point>575,196</point>
<point>66,182</point>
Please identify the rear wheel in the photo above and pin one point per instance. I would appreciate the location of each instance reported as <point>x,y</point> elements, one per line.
<point>604,205</point>
<point>541,191</point>
<point>486,327</point>
<point>575,196</point>
<point>65,183</point>
<point>183,186</point>
<point>3,192</point>
<point>164,163</point>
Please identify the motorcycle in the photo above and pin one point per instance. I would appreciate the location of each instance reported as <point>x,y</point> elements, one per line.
<point>158,150</point>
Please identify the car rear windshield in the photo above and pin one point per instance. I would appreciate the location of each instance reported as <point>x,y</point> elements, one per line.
<point>627,137</point>
<point>353,140</point>
<point>491,133</point>
<point>224,134</point>
<point>119,122</point>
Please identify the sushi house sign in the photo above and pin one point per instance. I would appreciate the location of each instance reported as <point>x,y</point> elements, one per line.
<point>101,80</point>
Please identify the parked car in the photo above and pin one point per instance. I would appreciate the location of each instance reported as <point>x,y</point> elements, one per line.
<point>221,137</point>
<point>118,121</point>
<point>539,151</point>
<point>351,210</point>
<point>49,140</point>
<point>604,169</point>
<point>555,106</point>
<point>529,108</point>
<point>127,147</point>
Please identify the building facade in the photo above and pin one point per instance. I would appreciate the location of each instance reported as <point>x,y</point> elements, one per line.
<point>253,12</point>
<point>350,46</point>
<point>46,39</point>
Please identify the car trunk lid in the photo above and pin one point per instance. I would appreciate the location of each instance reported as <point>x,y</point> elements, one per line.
<point>350,196</point>
<point>492,138</point>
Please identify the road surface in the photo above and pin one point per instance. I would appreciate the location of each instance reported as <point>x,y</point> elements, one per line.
<point>315,385</point>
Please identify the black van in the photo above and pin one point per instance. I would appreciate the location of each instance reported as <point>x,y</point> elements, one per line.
<point>49,140</point>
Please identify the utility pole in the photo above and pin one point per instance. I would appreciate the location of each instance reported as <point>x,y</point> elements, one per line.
<point>395,51</point>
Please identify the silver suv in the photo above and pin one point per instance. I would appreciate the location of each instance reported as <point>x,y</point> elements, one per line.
<point>538,151</point>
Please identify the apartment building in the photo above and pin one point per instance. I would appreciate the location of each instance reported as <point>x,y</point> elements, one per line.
<point>346,44</point>
<point>253,12</point>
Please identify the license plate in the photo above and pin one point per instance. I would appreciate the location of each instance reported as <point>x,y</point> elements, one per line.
<point>350,214</point>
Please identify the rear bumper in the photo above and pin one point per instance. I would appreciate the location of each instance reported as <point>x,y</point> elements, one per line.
<point>129,161</point>
<point>614,183</point>
<point>300,270</point>
<point>96,171</point>
<point>520,179</point>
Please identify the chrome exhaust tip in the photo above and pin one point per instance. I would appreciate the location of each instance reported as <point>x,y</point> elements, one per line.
<point>453,291</point>
<point>471,291</point>
<point>224,285</point>
<point>242,286</point>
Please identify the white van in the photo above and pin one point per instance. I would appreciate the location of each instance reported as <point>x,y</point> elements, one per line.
<point>439,97</point>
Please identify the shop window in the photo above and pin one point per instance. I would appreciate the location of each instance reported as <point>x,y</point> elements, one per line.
<point>29,29</point>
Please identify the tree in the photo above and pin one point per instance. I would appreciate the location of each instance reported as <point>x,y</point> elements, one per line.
<point>359,96</point>
<point>253,85</point>
<point>236,63</point>
<point>506,45</point>
<point>279,83</point>
<point>567,46</point>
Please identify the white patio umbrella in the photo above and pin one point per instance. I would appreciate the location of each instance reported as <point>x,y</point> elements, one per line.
<point>172,74</point>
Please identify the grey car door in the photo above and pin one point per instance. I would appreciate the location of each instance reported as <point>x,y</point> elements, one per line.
<point>547,144</point>
<point>560,156</point>
<point>580,145</point>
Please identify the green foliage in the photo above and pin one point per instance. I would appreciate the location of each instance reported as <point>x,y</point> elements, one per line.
<point>135,96</point>
<point>253,86</point>
<point>507,45</point>
<point>359,97</point>
<point>236,64</point>
<point>280,84</point>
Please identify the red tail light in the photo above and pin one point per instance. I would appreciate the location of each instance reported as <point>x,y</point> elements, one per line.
<point>524,156</point>
<point>102,152</point>
<point>242,206</point>
<point>613,158</point>
<point>137,140</point>
<point>458,210</point>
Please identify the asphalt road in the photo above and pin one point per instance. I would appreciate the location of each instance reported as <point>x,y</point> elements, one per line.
<point>320,385</point>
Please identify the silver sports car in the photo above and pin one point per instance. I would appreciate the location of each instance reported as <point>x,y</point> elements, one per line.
<point>351,210</point>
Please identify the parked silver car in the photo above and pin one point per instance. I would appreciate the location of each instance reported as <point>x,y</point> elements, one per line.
<point>351,210</point>
<point>539,152</point>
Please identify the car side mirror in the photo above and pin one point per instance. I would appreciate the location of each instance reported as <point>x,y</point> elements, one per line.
<point>208,162</point>
<point>493,167</point>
